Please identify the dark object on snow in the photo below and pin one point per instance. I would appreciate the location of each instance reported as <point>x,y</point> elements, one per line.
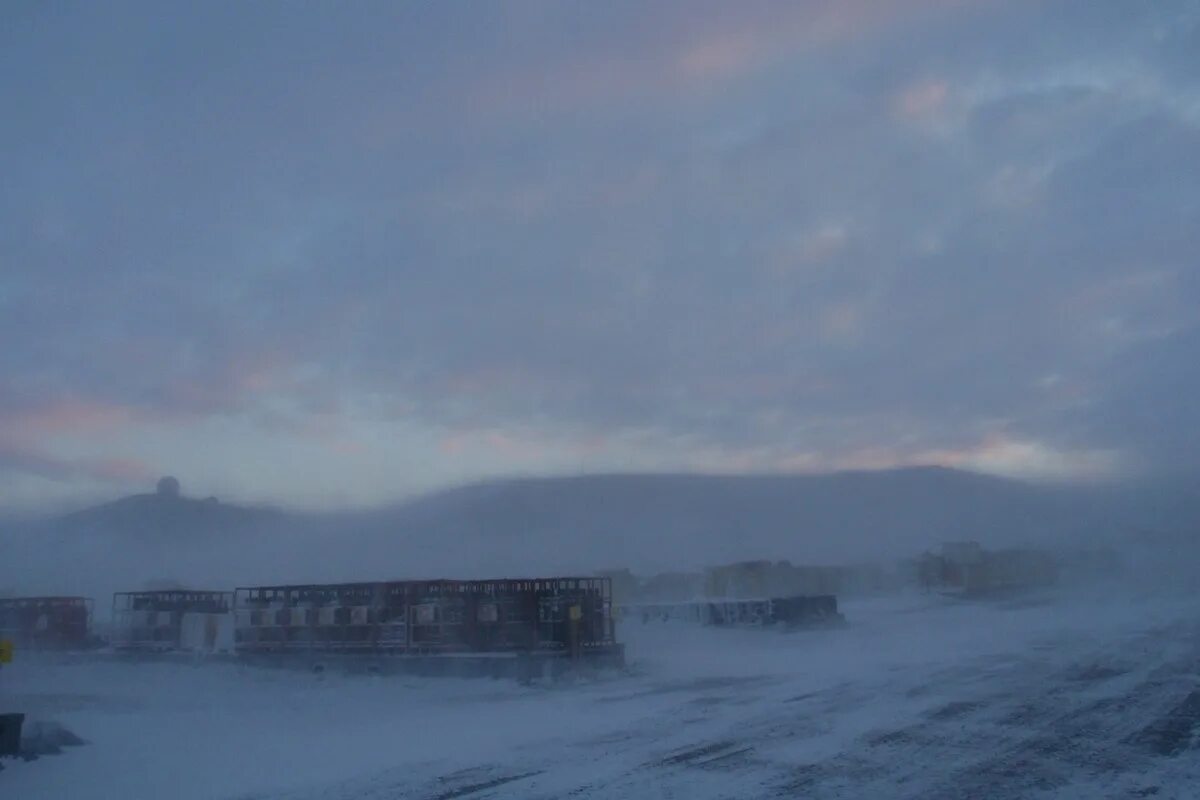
<point>760,612</point>
<point>789,612</point>
<point>10,734</point>
<point>47,623</point>
<point>47,739</point>
<point>805,610</point>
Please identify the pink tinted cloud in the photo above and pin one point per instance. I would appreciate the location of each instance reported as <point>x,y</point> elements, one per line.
<point>25,433</point>
<point>347,447</point>
<point>995,454</point>
<point>523,445</point>
<point>67,416</point>
<point>26,459</point>
<point>718,57</point>
<point>116,470</point>
<point>1009,456</point>
<point>699,46</point>
<point>922,100</point>
<point>495,442</point>
<point>723,46</point>
<point>227,386</point>
<point>31,428</point>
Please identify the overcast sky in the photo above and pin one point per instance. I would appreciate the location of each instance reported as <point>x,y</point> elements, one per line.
<point>331,254</point>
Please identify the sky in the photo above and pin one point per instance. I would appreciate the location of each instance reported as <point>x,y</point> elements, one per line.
<point>327,255</point>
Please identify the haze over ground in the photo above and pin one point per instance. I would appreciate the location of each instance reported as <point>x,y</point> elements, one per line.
<point>333,256</point>
<point>578,525</point>
<point>521,289</point>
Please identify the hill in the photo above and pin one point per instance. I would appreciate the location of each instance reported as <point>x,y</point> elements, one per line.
<point>675,521</point>
<point>648,523</point>
<point>163,515</point>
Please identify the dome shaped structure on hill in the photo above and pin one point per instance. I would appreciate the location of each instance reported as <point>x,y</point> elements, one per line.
<point>168,486</point>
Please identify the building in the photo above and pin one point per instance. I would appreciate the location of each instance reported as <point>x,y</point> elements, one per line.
<point>172,619</point>
<point>967,568</point>
<point>763,612</point>
<point>757,579</point>
<point>551,617</point>
<point>47,623</point>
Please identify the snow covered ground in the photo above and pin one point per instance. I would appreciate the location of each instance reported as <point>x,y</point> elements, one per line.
<point>1082,697</point>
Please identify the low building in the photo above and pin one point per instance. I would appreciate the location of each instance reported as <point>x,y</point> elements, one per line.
<point>753,579</point>
<point>47,623</point>
<point>562,616</point>
<point>969,569</point>
<point>787,612</point>
<point>190,620</point>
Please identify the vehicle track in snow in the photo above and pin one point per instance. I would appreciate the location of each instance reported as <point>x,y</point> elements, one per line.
<point>1065,712</point>
<point>1035,725</point>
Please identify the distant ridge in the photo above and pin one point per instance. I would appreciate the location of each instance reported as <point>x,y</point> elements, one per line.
<point>672,518</point>
<point>826,514</point>
<point>164,512</point>
<point>578,524</point>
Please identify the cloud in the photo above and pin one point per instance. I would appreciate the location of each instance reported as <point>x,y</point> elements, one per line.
<point>700,236</point>
<point>1030,459</point>
<point>15,459</point>
<point>923,100</point>
<point>67,416</point>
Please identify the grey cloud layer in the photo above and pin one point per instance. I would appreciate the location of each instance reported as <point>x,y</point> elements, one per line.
<point>804,225</point>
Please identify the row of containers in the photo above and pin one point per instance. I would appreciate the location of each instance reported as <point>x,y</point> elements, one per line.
<point>784,612</point>
<point>549,617</point>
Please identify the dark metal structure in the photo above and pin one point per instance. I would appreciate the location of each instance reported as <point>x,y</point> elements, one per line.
<point>566,616</point>
<point>47,623</point>
<point>154,620</point>
<point>789,612</point>
<point>805,610</point>
<point>10,734</point>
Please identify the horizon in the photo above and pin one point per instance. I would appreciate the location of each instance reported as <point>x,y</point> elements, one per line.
<point>68,508</point>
